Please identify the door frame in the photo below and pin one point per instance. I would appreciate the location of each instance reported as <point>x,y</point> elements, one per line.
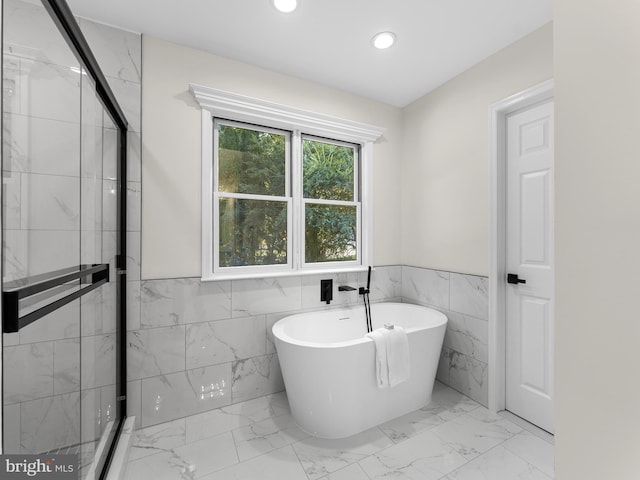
<point>498,227</point>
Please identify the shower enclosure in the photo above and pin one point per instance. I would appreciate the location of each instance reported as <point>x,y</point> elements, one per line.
<point>63,241</point>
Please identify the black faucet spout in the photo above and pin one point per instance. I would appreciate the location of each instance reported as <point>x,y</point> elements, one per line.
<point>345,288</point>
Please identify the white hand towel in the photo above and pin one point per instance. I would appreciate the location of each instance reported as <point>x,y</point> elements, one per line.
<point>397,356</point>
<point>392,356</point>
<point>382,370</point>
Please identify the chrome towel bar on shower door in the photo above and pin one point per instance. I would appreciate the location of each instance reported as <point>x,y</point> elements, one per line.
<point>91,275</point>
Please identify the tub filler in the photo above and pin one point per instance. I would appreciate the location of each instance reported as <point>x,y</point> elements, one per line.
<point>328,365</point>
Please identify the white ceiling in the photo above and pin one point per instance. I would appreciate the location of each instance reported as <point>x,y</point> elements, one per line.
<point>328,41</point>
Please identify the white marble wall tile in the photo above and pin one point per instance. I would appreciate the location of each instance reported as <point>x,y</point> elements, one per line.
<point>37,359</point>
<point>157,439</point>
<point>176,395</point>
<point>110,154</point>
<point>15,247</point>
<point>127,94</point>
<point>40,145</point>
<point>109,250</point>
<point>11,429</point>
<point>108,405</point>
<point>133,305</point>
<point>66,366</point>
<point>110,205</point>
<point>469,376</point>
<point>50,202</point>
<point>470,295</point>
<point>320,456</point>
<point>229,418</point>
<point>90,245</point>
<point>51,250</point>
<point>424,457</point>
<point>268,295</point>
<point>266,436</point>
<point>99,311</point>
<point>91,217</point>
<point>311,290</point>
<point>133,256</point>
<point>90,131</point>
<point>133,206</point>
<point>223,341</point>
<point>468,335</point>
<point>442,374</point>
<point>256,377</point>
<point>134,164</point>
<point>386,282</point>
<point>61,324</point>
<point>425,286</point>
<point>45,91</point>
<point>118,52</point>
<point>10,339</point>
<point>11,198</point>
<point>155,351</point>
<point>89,414</point>
<point>28,23</point>
<point>498,464</point>
<point>271,321</point>
<point>49,423</point>
<point>98,356</point>
<point>134,401</point>
<point>186,300</point>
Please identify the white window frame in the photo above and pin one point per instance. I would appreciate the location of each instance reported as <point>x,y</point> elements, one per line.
<point>286,198</point>
<point>230,106</point>
<point>356,201</point>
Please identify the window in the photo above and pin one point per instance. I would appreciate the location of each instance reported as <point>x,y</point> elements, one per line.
<point>285,191</point>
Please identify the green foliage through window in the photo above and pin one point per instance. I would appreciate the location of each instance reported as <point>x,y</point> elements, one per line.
<point>251,161</point>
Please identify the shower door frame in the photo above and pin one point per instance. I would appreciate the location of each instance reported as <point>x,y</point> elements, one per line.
<point>65,21</point>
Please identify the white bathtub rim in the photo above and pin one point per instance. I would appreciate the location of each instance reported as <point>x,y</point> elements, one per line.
<point>280,335</point>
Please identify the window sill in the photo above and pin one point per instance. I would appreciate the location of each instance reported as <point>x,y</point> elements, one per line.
<point>292,273</point>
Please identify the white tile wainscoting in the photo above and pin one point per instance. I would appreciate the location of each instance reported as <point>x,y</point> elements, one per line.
<point>453,438</point>
<point>199,346</point>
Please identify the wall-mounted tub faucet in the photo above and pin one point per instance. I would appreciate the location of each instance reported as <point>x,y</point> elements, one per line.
<point>326,290</point>
<point>345,288</point>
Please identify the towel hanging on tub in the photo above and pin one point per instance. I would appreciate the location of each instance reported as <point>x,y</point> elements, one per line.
<point>392,356</point>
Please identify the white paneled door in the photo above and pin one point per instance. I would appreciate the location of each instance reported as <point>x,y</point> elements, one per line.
<point>530,265</point>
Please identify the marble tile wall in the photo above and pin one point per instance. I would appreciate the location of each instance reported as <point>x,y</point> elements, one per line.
<point>58,173</point>
<point>201,346</point>
<point>464,299</point>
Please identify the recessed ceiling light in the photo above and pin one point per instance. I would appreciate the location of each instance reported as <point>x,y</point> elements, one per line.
<point>383,40</point>
<point>285,6</point>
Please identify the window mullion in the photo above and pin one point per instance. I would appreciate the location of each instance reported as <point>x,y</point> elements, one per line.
<point>296,237</point>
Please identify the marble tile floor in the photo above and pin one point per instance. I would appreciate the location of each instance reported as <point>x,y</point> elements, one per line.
<point>452,438</point>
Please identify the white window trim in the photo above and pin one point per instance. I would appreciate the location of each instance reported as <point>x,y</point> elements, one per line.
<point>232,106</point>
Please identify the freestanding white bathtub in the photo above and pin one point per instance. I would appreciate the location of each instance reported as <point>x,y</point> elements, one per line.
<point>329,370</point>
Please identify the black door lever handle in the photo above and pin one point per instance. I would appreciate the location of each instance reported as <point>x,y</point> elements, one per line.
<point>513,278</point>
